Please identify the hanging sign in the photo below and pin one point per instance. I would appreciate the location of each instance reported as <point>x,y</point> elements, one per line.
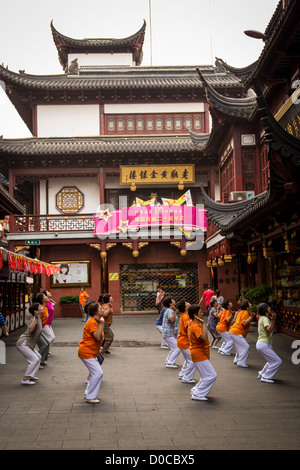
<point>131,219</point>
<point>157,174</point>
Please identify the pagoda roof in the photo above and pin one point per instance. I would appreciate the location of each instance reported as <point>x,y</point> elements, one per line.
<point>95,145</point>
<point>223,110</point>
<point>24,89</point>
<point>242,73</point>
<point>240,107</point>
<point>8,204</point>
<point>284,161</point>
<point>66,45</point>
<point>121,78</point>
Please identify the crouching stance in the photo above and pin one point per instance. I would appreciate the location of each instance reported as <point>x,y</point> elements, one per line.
<point>199,348</point>
<point>89,348</point>
<point>27,342</point>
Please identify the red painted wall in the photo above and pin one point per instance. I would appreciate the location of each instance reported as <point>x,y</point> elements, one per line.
<point>72,253</point>
<point>155,252</point>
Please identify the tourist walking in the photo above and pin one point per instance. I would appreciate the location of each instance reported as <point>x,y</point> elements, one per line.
<point>158,326</point>
<point>170,332</point>
<point>108,319</point>
<point>212,322</point>
<point>200,353</point>
<point>207,296</point>
<point>188,369</point>
<point>266,325</point>
<point>239,331</point>
<point>88,350</point>
<point>27,342</point>
<point>225,318</point>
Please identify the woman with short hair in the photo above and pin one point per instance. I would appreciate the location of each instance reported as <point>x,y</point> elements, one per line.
<point>88,350</point>
<point>27,342</point>
<point>266,325</point>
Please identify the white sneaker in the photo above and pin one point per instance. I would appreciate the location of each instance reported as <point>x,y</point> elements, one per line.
<point>268,381</point>
<point>240,365</point>
<point>191,381</point>
<point>92,400</point>
<point>171,366</point>
<point>27,382</point>
<point>199,398</point>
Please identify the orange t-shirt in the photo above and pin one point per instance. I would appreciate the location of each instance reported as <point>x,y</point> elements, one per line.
<point>182,338</point>
<point>44,316</point>
<point>238,328</point>
<point>89,347</point>
<point>223,324</point>
<point>199,348</point>
<point>82,297</point>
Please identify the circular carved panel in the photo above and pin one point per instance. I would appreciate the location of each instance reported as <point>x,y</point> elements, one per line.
<point>69,200</point>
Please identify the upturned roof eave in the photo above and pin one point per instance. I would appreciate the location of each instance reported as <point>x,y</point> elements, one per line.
<point>241,108</point>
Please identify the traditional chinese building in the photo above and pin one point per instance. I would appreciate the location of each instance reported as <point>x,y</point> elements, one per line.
<point>256,142</point>
<point>112,140</point>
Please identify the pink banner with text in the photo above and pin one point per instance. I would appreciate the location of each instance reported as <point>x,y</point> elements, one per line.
<point>187,218</point>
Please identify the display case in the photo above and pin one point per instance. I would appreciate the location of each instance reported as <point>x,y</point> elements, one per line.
<point>288,282</point>
<point>287,294</point>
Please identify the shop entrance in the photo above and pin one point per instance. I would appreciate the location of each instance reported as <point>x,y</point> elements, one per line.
<point>138,284</point>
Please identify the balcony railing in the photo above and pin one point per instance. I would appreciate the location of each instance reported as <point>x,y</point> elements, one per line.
<point>52,223</point>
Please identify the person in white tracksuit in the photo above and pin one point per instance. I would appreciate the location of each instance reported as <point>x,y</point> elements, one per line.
<point>266,325</point>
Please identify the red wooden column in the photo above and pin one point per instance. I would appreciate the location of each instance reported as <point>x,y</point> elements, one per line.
<point>11,178</point>
<point>101,179</point>
<point>237,158</point>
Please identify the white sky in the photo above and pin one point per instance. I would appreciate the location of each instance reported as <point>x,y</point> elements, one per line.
<point>184,32</point>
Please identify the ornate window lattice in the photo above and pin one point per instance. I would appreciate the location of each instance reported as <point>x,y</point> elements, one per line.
<point>69,200</point>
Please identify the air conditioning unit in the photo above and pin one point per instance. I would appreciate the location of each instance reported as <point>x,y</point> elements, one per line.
<point>241,195</point>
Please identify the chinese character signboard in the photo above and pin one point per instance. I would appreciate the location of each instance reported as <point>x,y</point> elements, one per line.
<point>132,219</point>
<point>158,174</point>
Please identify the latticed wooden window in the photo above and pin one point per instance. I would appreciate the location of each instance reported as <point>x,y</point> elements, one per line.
<point>69,200</point>
<point>265,172</point>
<point>248,168</point>
<point>197,122</point>
<point>227,176</point>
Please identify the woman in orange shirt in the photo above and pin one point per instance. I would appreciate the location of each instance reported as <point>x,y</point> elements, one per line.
<point>43,343</point>
<point>225,317</point>
<point>88,351</point>
<point>238,333</point>
<point>199,348</point>
<point>188,369</point>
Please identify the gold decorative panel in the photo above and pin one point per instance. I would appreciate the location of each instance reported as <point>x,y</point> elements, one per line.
<point>69,200</point>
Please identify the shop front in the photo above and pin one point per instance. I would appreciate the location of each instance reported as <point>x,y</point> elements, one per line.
<point>138,284</point>
<point>16,280</point>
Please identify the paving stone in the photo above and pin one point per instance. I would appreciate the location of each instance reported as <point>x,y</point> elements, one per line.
<point>143,406</point>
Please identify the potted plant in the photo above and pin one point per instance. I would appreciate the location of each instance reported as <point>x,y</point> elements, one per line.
<point>69,305</point>
<point>257,294</point>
